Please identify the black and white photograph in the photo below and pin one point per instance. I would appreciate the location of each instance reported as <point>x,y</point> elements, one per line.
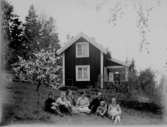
<point>83,62</point>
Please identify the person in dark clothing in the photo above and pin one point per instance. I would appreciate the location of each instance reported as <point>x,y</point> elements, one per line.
<point>95,103</point>
<point>50,107</point>
<point>48,103</point>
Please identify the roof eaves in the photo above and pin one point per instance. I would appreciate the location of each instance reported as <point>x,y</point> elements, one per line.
<point>70,42</point>
<point>119,62</point>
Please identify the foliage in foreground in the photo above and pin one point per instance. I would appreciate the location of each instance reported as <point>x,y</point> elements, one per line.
<point>143,87</point>
<point>44,68</point>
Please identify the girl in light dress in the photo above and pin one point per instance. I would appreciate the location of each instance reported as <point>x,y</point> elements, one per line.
<point>82,104</point>
<point>114,111</point>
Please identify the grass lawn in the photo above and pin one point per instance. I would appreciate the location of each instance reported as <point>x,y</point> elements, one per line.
<point>23,107</point>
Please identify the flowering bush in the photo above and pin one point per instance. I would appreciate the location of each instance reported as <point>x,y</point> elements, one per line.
<point>45,68</point>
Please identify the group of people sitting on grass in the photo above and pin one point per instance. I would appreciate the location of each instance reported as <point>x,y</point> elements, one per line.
<point>66,104</point>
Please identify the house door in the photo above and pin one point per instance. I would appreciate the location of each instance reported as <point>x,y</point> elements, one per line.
<point>111,76</point>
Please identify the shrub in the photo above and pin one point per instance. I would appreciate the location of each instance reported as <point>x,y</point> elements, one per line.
<point>133,86</point>
<point>147,81</point>
<point>143,85</point>
<point>148,86</point>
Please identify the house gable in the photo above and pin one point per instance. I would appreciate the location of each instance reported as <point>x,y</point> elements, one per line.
<point>80,37</point>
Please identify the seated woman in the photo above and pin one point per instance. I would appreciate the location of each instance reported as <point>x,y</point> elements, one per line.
<point>83,103</point>
<point>63,104</point>
<point>102,109</point>
<point>114,111</point>
<point>72,101</point>
<point>70,97</point>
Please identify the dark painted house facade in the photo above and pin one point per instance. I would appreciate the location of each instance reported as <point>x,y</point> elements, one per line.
<point>85,63</point>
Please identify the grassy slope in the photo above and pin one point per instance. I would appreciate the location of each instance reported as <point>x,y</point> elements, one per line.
<point>22,103</point>
<point>22,106</point>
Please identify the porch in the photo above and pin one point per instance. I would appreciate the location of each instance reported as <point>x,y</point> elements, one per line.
<point>115,74</point>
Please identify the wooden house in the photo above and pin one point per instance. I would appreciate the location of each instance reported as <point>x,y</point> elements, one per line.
<point>86,63</point>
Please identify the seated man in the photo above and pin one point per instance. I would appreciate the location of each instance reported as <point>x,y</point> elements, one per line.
<point>63,104</point>
<point>95,102</point>
<point>114,111</point>
<point>83,103</point>
<point>102,109</point>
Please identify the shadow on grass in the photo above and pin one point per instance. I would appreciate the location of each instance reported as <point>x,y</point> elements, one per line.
<point>7,113</point>
<point>146,107</point>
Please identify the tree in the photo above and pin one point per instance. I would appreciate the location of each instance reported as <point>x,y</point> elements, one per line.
<point>117,8</point>
<point>12,33</point>
<point>45,68</point>
<point>147,81</point>
<point>48,36</point>
<point>40,33</point>
<point>148,86</point>
<point>7,15</point>
<point>32,31</point>
<point>17,40</point>
<point>132,66</point>
<point>133,84</point>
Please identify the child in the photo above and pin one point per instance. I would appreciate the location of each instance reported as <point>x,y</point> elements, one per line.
<point>114,111</point>
<point>102,109</point>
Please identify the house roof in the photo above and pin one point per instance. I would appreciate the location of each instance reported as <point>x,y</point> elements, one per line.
<point>90,40</point>
<point>118,62</point>
<point>74,39</point>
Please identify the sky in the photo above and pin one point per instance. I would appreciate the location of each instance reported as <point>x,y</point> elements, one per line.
<point>93,17</point>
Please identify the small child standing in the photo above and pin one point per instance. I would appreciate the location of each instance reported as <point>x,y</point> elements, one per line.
<point>114,111</point>
<point>102,109</point>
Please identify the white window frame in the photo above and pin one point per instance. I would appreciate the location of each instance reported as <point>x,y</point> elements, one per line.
<point>88,72</point>
<point>85,54</point>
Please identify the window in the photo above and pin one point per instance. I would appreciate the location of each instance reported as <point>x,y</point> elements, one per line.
<point>82,49</point>
<point>82,73</point>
